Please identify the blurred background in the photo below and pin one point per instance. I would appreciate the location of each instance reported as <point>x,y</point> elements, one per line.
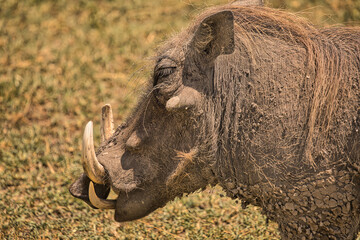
<point>60,61</point>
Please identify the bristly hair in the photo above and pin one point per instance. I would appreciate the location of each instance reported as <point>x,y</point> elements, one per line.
<point>330,60</point>
<point>326,61</point>
<point>185,158</point>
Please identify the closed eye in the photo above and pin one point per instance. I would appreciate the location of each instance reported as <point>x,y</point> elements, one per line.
<point>161,73</point>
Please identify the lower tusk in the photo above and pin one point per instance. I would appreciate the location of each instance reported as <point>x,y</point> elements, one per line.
<point>98,202</point>
<point>93,169</point>
<point>112,195</point>
<point>107,123</point>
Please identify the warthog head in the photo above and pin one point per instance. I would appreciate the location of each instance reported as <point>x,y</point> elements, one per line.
<point>166,148</point>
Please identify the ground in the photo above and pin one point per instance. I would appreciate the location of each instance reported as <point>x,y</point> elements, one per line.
<point>60,61</point>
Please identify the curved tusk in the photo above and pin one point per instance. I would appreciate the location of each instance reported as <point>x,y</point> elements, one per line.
<point>112,195</point>
<point>93,169</point>
<point>107,123</point>
<point>98,202</point>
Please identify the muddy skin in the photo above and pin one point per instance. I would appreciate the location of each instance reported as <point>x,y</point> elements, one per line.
<point>253,99</point>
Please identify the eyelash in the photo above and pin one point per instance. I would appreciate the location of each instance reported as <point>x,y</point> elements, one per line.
<point>162,73</point>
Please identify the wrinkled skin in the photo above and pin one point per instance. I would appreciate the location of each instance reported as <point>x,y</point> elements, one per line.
<point>190,130</point>
<point>143,153</point>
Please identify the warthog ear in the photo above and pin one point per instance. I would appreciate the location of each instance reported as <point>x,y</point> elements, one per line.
<point>215,35</point>
<point>188,97</point>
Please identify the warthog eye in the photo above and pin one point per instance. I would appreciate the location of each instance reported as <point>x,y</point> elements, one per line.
<point>165,67</point>
<point>161,73</point>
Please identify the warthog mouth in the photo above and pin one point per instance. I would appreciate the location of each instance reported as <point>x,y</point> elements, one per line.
<point>85,190</point>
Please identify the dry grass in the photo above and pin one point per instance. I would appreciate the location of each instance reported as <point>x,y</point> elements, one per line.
<point>60,61</point>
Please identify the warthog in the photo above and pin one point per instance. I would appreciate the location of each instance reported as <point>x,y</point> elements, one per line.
<point>253,99</point>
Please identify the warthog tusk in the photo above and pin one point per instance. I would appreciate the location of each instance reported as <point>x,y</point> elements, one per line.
<point>98,202</point>
<point>107,123</point>
<point>112,195</point>
<point>93,169</point>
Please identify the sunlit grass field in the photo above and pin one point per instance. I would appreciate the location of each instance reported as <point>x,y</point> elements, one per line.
<point>60,61</point>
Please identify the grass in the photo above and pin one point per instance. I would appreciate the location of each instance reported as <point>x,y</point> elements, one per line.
<point>60,61</point>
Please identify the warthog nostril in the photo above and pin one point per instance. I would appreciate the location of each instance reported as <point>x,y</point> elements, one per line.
<point>133,141</point>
